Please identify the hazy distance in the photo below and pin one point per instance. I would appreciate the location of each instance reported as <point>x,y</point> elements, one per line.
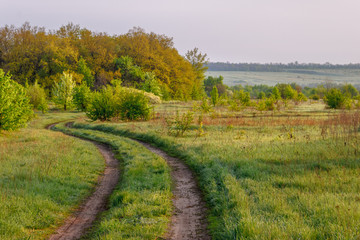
<point>260,31</point>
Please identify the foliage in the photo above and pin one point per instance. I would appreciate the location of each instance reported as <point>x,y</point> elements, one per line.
<point>151,84</point>
<point>102,105</point>
<point>178,126</point>
<point>198,62</point>
<point>63,91</point>
<point>15,109</point>
<point>83,69</point>
<point>33,53</point>
<point>349,91</point>
<point>214,96</point>
<point>334,98</point>
<point>82,97</point>
<point>134,106</point>
<point>243,97</point>
<point>276,93</point>
<point>37,97</point>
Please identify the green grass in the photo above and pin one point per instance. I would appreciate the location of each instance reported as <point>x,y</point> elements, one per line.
<point>232,78</point>
<point>140,206</point>
<point>43,176</point>
<point>266,179</point>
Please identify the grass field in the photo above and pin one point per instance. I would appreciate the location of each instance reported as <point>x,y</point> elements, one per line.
<point>311,78</point>
<point>43,176</point>
<point>284,175</point>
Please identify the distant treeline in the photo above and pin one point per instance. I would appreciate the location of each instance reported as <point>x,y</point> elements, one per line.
<point>33,54</point>
<point>277,67</point>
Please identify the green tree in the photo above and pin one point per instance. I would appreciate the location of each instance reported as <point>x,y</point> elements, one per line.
<point>37,97</point>
<point>151,84</point>
<point>276,93</point>
<point>63,91</point>
<point>214,95</point>
<point>349,91</point>
<point>81,97</point>
<point>83,69</point>
<point>15,107</point>
<point>334,98</point>
<point>198,62</point>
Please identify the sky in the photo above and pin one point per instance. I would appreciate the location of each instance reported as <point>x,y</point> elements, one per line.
<point>260,31</point>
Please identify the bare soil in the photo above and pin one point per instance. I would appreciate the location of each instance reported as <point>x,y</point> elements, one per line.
<point>189,217</point>
<point>76,225</point>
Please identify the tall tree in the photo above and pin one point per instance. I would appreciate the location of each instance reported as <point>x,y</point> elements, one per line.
<point>63,90</point>
<point>198,62</point>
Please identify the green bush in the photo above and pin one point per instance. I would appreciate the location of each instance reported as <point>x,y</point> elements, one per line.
<point>102,105</point>
<point>334,98</point>
<point>134,106</point>
<point>37,97</point>
<point>81,97</point>
<point>15,107</point>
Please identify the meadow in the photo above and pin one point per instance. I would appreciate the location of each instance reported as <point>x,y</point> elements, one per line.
<point>303,78</point>
<point>266,175</point>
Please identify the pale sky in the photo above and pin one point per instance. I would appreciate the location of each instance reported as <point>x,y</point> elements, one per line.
<point>228,30</point>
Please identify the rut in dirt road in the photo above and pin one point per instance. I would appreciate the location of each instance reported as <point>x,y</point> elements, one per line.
<point>189,218</point>
<point>76,225</point>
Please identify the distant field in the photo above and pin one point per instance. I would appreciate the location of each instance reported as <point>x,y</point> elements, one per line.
<point>301,77</point>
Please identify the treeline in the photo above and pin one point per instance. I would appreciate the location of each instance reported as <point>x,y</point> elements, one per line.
<point>141,60</point>
<point>276,67</point>
<point>266,97</point>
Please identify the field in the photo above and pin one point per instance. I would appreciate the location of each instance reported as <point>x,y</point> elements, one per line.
<point>289,174</point>
<point>303,78</point>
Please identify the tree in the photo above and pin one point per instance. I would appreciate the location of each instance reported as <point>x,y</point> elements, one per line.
<point>349,91</point>
<point>198,62</point>
<point>81,97</point>
<point>37,97</point>
<point>15,109</point>
<point>63,91</point>
<point>334,98</point>
<point>84,70</point>
<point>214,95</point>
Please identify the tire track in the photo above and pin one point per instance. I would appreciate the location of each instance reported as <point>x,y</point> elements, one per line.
<point>189,217</point>
<point>76,225</point>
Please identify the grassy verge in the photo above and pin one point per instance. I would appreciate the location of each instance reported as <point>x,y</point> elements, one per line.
<point>43,176</point>
<point>268,181</point>
<point>141,204</point>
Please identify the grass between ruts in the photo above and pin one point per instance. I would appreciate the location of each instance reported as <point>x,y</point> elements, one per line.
<point>140,206</point>
<point>44,175</point>
<point>268,182</point>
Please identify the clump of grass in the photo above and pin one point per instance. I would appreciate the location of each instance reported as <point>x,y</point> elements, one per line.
<point>140,206</point>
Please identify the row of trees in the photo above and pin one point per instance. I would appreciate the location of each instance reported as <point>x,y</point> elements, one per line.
<point>139,59</point>
<point>111,101</point>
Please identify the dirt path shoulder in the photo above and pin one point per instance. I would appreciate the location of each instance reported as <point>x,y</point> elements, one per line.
<point>189,218</point>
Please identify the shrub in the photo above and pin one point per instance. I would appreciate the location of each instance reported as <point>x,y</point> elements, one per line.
<point>214,95</point>
<point>334,98</point>
<point>15,107</point>
<point>63,91</point>
<point>134,106</point>
<point>102,105</point>
<point>180,124</point>
<point>81,97</point>
<point>37,97</point>
<point>315,97</point>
